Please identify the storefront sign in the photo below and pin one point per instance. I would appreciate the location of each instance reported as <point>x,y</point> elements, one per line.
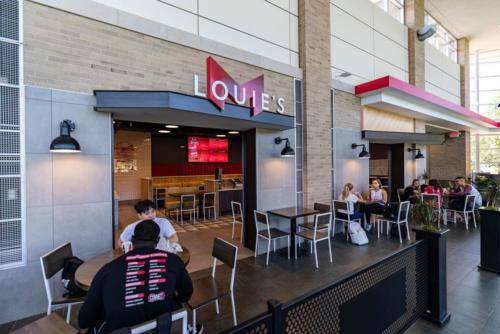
<point>220,86</point>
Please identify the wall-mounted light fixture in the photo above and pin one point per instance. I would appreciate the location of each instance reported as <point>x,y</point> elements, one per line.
<point>364,153</point>
<point>65,143</point>
<point>287,151</point>
<point>419,154</point>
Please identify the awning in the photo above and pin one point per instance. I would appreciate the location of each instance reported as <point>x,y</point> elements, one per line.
<point>385,137</point>
<point>393,95</point>
<point>175,108</point>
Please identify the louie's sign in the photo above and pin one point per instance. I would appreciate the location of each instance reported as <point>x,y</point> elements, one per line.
<point>220,87</point>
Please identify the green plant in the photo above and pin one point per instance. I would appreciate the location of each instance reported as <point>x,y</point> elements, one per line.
<point>427,215</point>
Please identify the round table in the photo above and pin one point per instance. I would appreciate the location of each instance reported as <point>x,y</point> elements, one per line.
<point>86,272</point>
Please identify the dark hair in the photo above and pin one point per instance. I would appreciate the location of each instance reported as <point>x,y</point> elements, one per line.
<point>434,183</point>
<point>146,231</point>
<point>144,206</point>
<point>459,178</point>
<point>413,182</point>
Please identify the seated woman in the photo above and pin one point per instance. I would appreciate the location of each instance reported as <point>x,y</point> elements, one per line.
<point>351,197</point>
<point>435,188</point>
<point>378,196</point>
<point>412,193</point>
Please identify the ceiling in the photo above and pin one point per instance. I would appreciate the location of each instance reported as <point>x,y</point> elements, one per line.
<point>479,20</point>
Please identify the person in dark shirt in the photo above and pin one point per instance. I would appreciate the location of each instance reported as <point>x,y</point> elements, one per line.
<point>412,192</point>
<point>136,287</point>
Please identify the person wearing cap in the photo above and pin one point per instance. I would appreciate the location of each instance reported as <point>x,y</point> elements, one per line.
<point>137,286</point>
<point>146,211</point>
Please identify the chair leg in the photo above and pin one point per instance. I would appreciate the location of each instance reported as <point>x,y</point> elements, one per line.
<point>474,218</point>
<point>315,255</point>
<point>407,231</point>
<point>288,239</point>
<point>194,321</point>
<point>378,228</point>
<point>256,245</point>
<point>233,306</point>
<point>217,306</point>
<point>268,251</point>
<point>274,246</point>
<point>466,219</point>
<point>68,313</point>
<point>49,309</point>
<point>232,233</point>
<point>241,237</point>
<point>399,232</point>
<point>295,246</point>
<point>330,250</point>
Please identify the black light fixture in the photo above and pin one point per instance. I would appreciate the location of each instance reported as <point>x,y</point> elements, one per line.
<point>419,154</point>
<point>287,151</point>
<point>364,153</point>
<point>65,143</point>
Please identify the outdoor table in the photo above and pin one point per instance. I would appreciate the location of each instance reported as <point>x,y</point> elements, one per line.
<point>292,213</point>
<point>86,272</point>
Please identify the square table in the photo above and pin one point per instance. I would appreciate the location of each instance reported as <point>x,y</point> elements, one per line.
<point>292,213</point>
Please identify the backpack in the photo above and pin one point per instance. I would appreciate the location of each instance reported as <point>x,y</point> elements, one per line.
<point>70,265</point>
<point>357,234</point>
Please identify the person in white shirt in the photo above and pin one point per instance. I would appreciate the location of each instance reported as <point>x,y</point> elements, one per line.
<point>146,211</point>
<point>352,197</point>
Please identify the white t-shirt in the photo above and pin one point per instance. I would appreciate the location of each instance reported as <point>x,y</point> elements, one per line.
<point>166,229</point>
<point>351,199</point>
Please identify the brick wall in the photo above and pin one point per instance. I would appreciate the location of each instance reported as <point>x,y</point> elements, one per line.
<point>314,46</point>
<point>451,159</point>
<point>347,110</point>
<point>70,52</point>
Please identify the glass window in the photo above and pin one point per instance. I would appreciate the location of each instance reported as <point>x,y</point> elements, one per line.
<point>394,8</point>
<point>442,39</point>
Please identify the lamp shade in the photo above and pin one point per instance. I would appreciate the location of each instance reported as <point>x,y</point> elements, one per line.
<point>364,153</point>
<point>419,155</point>
<point>287,151</point>
<point>65,143</point>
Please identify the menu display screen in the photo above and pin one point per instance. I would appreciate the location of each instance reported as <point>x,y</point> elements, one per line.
<point>202,149</point>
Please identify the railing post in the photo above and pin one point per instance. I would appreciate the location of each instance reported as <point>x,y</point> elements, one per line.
<point>437,300</point>
<point>276,309</point>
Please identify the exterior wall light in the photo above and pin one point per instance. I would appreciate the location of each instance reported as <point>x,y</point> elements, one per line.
<point>287,151</point>
<point>419,154</point>
<point>364,153</point>
<point>65,143</point>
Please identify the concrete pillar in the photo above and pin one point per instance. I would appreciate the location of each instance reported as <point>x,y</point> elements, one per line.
<point>464,62</point>
<point>414,20</point>
<point>314,55</point>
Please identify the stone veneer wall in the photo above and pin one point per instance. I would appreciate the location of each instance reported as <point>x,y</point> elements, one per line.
<point>451,159</point>
<point>414,20</point>
<point>314,46</point>
<point>67,51</point>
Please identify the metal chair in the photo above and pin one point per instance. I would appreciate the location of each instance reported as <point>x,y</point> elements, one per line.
<point>50,324</point>
<point>188,204</point>
<point>311,225</point>
<point>264,231</point>
<point>401,193</point>
<point>209,204</point>
<point>435,201</point>
<point>469,203</point>
<point>237,217</point>
<point>341,214</point>
<point>208,290</point>
<point>402,218</point>
<point>161,324</point>
<point>52,263</point>
<point>316,235</point>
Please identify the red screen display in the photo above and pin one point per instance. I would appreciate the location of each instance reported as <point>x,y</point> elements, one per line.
<point>201,149</point>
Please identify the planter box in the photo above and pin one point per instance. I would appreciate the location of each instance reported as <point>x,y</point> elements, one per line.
<point>490,239</point>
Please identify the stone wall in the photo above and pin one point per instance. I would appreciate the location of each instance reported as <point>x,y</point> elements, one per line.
<point>451,159</point>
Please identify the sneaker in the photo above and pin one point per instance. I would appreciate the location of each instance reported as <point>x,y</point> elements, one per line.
<point>199,329</point>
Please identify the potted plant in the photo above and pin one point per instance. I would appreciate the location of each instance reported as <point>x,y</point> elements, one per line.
<point>427,215</point>
<point>424,177</point>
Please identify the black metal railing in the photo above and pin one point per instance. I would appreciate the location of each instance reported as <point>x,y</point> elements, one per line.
<point>385,297</point>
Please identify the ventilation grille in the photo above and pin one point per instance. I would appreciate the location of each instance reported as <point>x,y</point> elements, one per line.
<point>8,19</point>
<point>11,223</point>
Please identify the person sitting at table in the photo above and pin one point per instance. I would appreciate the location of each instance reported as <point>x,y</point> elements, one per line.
<point>462,189</point>
<point>435,188</point>
<point>137,286</point>
<point>146,211</point>
<point>412,192</point>
<point>352,197</point>
<point>378,196</point>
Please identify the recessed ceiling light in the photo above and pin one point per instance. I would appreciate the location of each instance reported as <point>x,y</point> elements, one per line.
<point>221,136</point>
<point>171,126</point>
<point>164,131</point>
<point>233,132</point>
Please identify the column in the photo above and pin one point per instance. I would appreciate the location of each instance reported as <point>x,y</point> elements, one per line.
<point>414,20</point>
<point>464,62</point>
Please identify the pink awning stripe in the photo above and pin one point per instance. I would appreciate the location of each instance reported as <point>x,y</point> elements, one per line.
<point>401,86</point>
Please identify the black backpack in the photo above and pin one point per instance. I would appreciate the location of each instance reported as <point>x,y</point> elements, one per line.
<point>68,276</point>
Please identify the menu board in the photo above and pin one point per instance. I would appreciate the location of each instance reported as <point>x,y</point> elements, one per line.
<point>202,149</point>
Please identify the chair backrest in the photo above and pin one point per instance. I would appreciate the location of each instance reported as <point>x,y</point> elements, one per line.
<point>237,211</point>
<point>322,207</point>
<point>162,324</point>
<point>188,202</point>
<point>340,207</point>
<point>404,209</point>
<point>401,193</point>
<point>53,261</point>
<point>322,219</point>
<point>261,218</point>
<point>209,199</point>
<point>470,201</point>
<point>433,199</point>
<point>227,253</point>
